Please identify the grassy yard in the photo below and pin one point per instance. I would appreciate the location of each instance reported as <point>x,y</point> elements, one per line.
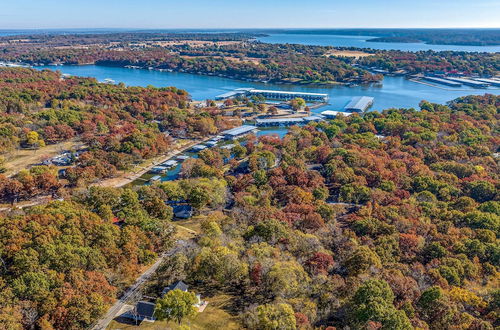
<point>214,317</point>
<point>23,158</point>
<point>187,229</point>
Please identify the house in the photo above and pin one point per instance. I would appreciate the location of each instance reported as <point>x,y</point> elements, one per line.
<point>179,285</point>
<point>211,143</point>
<point>182,211</point>
<point>198,148</point>
<point>144,311</point>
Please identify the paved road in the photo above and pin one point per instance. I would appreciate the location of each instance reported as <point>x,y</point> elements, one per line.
<point>135,288</point>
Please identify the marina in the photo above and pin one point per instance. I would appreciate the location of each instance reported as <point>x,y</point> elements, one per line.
<point>274,95</point>
<point>288,121</point>
<point>393,92</point>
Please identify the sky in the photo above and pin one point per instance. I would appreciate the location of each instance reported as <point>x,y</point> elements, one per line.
<point>168,14</point>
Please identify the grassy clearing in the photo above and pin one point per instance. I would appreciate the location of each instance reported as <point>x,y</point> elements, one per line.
<point>23,158</point>
<point>214,317</point>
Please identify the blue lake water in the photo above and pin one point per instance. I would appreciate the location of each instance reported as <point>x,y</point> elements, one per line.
<point>394,92</point>
<point>362,42</point>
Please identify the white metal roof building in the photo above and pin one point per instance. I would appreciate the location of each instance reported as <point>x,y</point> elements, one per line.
<point>170,163</point>
<point>468,82</point>
<point>276,95</point>
<point>359,104</point>
<point>489,81</point>
<point>443,81</point>
<point>332,114</point>
<point>238,131</point>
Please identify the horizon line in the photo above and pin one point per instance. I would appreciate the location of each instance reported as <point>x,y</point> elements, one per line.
<point>251,28</point>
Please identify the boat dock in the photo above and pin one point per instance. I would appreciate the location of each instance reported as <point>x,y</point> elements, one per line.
<point>331,114</point>
<point>237,132</point>
<point>492,82</point>
<point>359,104</point>
<point>289,121</point>
<point>274,95</point>
<point>469,82</point>
<point>443,81</point>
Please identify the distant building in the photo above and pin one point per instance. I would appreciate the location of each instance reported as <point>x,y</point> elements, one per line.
<point>330,114</point>
<point>159,169</point>
<point>273,95</point>
<point>155,178</point>
<point>443,81</point>
<point>359,104</point>
<point>198,148</point>
<point>211,143</point>
<point>169,163</point>
<point>237,132</point>
<point>469,82</point>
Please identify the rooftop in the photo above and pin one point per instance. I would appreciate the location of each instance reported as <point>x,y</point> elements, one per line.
<point>279,120</point>
<point>145,309</point>
<point>360,103</point>
<point>179,285</point>
<point>257,91</point>
<point>331,113</point>
<point>239,130</point>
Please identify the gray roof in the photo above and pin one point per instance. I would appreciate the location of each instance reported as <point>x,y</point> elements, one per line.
<point>239,130</point>
<point>332,113</point>
<point>360,103</point>
<point>179,285</point>
<point>265,91</point>
<point>145,309</point>
<point>313,118</point>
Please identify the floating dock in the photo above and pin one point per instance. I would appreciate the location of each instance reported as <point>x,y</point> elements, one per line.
<point>492,82</point>
<point>331,114</point>
<point>159,169</point>
<point>169,163</point>
<point>280,122</point>
<point>359,104</point>
<point>443,81</point>
<point>469,82</point>
<point>274,95</point>
<point>237,132</point>
<point>155,178</point>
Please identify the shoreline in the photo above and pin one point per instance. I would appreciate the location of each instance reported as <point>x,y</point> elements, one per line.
<point>277,82</point>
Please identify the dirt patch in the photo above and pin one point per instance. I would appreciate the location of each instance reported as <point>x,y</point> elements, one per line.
<point>347,53</point>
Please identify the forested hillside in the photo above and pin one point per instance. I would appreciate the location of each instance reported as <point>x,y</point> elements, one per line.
<point>383,221</point>
<point>64,263</point>
<point>120,125</point>
<point>375,221</point>
<point>483,64</point>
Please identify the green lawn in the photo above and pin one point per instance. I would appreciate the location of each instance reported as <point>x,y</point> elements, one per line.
<point>214,317</point>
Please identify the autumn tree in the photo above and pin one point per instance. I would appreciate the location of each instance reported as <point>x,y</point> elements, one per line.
<point>175,305</point>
